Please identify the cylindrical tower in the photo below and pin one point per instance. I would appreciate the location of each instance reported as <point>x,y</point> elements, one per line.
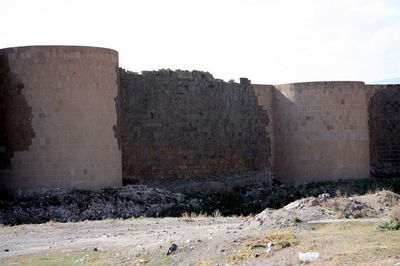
<point>321,131</point>
<point>57,117</point>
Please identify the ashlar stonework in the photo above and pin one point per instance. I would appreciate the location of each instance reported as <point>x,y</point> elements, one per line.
<point>71,118</point>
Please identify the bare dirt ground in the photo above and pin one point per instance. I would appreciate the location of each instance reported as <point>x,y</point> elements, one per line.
<point>130,241</point>
<point>216,240</point>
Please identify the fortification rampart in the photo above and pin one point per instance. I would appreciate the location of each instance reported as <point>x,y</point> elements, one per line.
<point>187,127</point>
<point>57,116</point>
<point>321,131</point>
<point>67,112</point>
<point>384,129</point>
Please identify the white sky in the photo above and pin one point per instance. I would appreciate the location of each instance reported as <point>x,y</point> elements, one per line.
<point>268,41</point>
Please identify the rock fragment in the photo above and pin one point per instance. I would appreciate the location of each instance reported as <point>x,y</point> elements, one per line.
<point>172,249</point>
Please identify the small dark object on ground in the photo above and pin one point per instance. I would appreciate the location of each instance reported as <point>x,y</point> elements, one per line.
<point>172,249</point>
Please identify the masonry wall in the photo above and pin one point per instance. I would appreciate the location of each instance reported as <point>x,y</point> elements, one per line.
<point>184,128</point>
<point>57,115</point>
<point>265,97</point>
<point>384,125</point>
<point>321,131</point>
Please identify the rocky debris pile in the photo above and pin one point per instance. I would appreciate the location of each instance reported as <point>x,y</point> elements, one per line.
<point>78,205</point>
<point>349,208</point>
<point>323,207</point>
<point>382,201</point>
<point>303,210</point>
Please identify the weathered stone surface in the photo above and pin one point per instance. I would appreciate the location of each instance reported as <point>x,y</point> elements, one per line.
<point>16,130</point>
<point>321,131</point>
<point>57,112</point>
<point>183,130</point>
<point>187,127</point>
<point>384,129</point>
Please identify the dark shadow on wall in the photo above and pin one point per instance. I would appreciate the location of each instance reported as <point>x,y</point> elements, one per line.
<point>384,128</point>
<point>16,132</point>
<point>181,127</point>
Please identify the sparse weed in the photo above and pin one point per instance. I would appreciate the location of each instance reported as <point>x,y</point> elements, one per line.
<point>187,217</point>
<point>394,222</point>
<point>241,255</point>
<point>206,263</point>
<point>391,225</point>
<point>251,247</point>
<point>295,220</point>
<point>216,214</point>
<point>280,239</point>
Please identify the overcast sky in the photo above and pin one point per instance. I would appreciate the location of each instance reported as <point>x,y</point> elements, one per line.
<point>268,41</point>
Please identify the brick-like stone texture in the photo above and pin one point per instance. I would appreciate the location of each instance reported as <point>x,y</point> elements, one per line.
<point>384,128</point>
<point>16,130</point>
<point>187,127</point>
<point>61,106</point>
<point>321,131</point>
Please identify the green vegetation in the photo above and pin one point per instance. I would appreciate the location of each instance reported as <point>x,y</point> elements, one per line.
<point>394,222</point>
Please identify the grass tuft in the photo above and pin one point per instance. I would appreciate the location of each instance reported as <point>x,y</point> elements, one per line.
<point>394,223</point>
<point>253,247</point>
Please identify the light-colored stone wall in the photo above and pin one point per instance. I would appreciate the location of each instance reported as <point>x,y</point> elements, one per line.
<point>264,95</point>
<point>71,94</point>
<point>58,121</point>
<point>321,131</point>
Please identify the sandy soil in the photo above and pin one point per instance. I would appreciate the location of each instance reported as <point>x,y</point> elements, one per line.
<point>133,239</point>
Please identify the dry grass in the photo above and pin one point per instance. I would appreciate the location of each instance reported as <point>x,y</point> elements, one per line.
<point>256,246</point>
<point>352,243</point>
<point>391,198</point>
<point>281,240</point>
<point>190,217</point>
<point>242,255</point>
<point>337,205</point>
<point>394,222</point>
<point>206,263</point>
<point>341,207</point>
<point>55,224</point>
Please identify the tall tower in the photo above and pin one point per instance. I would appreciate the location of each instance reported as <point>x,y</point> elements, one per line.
<point>57,117</point>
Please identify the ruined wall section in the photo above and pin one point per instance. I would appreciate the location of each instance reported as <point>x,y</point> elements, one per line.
<point>57,116</point>
<point>187,127</point>
<point>384,128</point>
<point>321,131</point>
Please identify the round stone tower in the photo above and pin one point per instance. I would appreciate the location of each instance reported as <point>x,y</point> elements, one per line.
<point>57,118</point>
<point>321,131</point>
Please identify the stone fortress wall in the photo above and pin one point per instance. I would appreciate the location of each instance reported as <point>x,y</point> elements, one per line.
<point>384,129</point>
<point>67,114</point>
<point>57,115</point>
<point>321,131</point>
<point>186,127</point>
<point>315,131</point>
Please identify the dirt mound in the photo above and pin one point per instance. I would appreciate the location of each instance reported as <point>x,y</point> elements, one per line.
<point>294,213</point>
<point>382,201</point>
<point>323,207</point>
<point>349,208</point>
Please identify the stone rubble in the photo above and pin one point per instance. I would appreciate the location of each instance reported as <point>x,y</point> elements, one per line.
<point>79,205</point>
